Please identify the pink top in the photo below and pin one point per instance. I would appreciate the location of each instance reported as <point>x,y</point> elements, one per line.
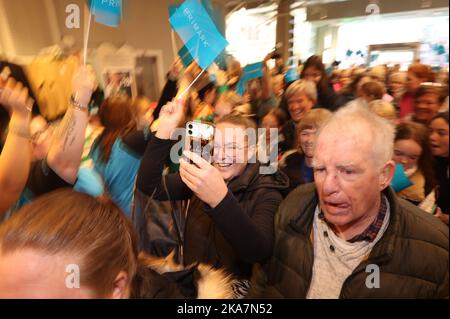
<point>406,105</point>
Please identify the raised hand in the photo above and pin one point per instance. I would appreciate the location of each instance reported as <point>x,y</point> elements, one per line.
<point>83,84</point>
<point>203,179</point>
<point>175,70</point>
<point>170,117</point>
<point>14,97</point>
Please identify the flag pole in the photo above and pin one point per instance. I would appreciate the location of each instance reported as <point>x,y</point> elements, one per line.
<point>174,44</point>
<point>87,33</point>
<point>181,96</point>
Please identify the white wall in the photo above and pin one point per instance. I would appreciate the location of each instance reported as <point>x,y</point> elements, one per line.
<point>145,26</point>
<point>30,25</point>
<point>24,27</point>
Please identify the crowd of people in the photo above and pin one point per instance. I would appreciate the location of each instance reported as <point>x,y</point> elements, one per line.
<point>360,180</point>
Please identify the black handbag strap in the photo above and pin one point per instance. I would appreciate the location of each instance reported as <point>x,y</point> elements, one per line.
<point>174,209</point>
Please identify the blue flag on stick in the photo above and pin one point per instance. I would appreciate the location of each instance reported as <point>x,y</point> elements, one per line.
<point>250,72</point>
<point>185,56</point>
<point>107,12</point>
<point>253,71</point>
<point>291,75</point>
<point>198,32</point>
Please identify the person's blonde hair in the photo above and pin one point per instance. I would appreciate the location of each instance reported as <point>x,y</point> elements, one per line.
<point>400,77</point>
<point>378,73</point>
<point>231,98</point>
<point>314,119</point>
<point>384,109</point>
<point>302,86</point>
<point>140,105</point>
<point>75,224</point>
<point>246,122</point>
<point>381,131</point>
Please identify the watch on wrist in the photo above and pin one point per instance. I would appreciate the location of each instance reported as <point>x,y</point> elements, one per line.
<point>77,105</point>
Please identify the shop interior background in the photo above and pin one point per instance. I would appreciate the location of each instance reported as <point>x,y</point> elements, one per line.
<point>352,32</point>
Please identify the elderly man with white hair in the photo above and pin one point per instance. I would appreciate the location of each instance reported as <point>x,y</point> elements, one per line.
<point>348,235</point>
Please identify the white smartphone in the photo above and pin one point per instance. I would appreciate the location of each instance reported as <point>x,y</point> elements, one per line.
<point>200,139</point>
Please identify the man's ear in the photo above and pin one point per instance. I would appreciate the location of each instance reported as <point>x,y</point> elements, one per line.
<point>121,288</point>
<point>387,174</point>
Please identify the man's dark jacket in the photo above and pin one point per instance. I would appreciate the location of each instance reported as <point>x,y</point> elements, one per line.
<point>412,255</point>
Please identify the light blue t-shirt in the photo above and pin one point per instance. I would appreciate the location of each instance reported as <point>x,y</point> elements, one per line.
<point>119,173</point>
<point>88,182</point>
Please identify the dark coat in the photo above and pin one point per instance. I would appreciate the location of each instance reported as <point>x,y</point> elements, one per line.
<point>220,236</point>
<point>234,235</point>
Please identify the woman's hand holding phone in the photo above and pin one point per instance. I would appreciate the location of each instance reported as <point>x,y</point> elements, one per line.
<point>203,179</point>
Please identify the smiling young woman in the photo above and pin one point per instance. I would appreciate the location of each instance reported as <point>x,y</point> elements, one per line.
<point>231,207</point>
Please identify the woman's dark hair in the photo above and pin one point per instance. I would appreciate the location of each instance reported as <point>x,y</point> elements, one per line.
<point>419,134</point>
<point>316,63</point>
<point>353,86</point>
<point>280,115</point>
<point>116,116</point>
<point>374,89</point>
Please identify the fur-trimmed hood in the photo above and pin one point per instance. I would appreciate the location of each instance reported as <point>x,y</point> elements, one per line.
<point>162,278</point>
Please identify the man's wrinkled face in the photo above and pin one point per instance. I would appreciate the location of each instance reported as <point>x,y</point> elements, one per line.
<point>346,177</point>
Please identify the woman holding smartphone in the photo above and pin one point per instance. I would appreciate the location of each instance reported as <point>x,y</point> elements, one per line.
<point>230,216</point>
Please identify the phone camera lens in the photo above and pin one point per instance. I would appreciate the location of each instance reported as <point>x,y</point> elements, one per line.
<point>190,126</point>
<point>190,132</point>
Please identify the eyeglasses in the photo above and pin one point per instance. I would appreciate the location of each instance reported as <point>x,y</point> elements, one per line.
<point>231,150</point>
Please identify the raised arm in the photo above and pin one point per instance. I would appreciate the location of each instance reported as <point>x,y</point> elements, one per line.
<point>64,157</point>
<point>15,158</point>
<point>150,179</point>
<point>267,90</point>
<point>170,89</point>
